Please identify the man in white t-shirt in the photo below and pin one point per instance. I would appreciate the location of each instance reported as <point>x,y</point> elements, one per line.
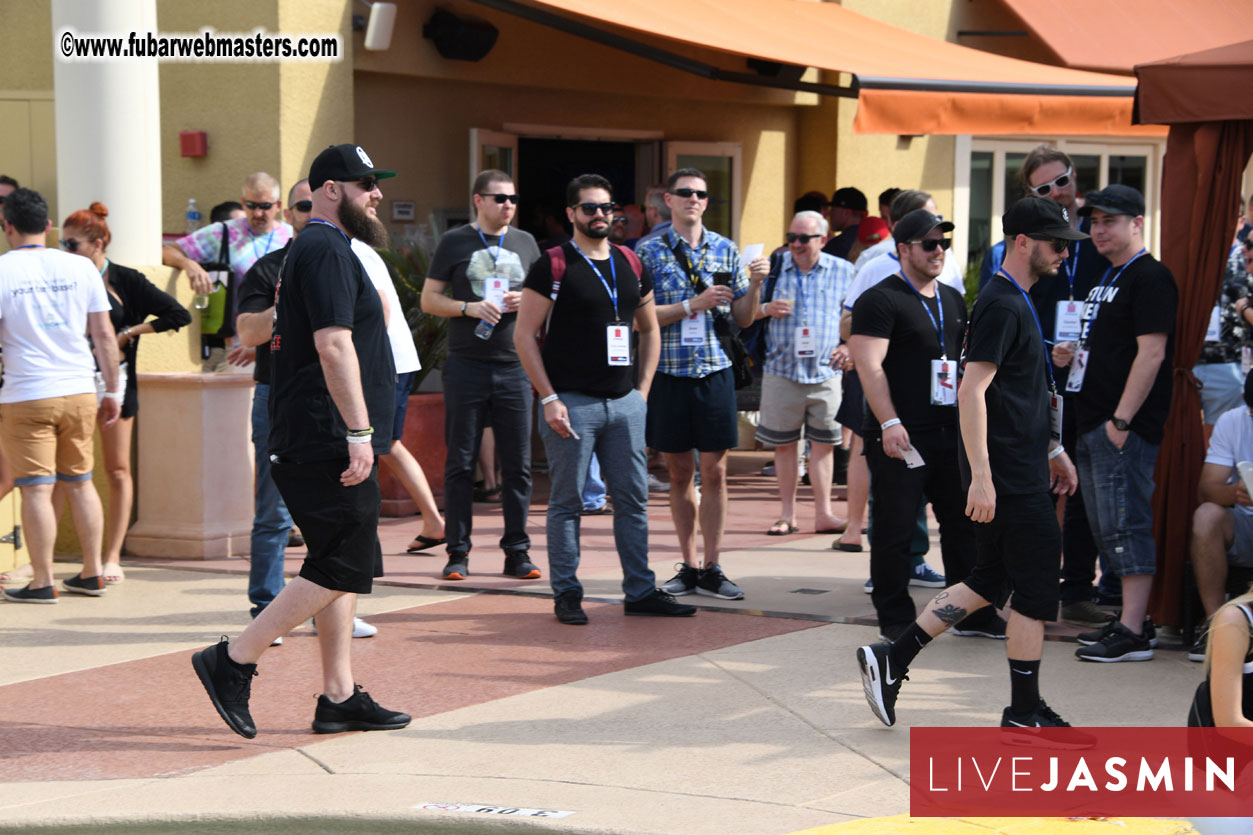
<point>50,301</point>
<point>1222,527</point>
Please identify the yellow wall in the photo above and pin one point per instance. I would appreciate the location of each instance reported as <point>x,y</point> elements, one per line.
<point>27,125</point>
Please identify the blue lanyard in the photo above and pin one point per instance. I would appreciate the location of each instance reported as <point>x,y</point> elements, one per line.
<point>1106,282</point>
<point>499,245</point>
<point>894,257</point>
<point>31,246</point>
<point>1048,365</point>
<point>1072,267</point>
<point>939,303</point>
<point>333,226</point>
<point>613,272</point>
<point>268,239</point>
<point>802,290</point>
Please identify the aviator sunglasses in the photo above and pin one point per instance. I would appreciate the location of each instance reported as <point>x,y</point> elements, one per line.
<point>1043,189</point>
<point>792,237</point>
<point>931,244</point>
<point>500,198</point>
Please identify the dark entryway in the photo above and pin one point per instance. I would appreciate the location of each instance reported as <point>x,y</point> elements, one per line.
<point>545,166</point>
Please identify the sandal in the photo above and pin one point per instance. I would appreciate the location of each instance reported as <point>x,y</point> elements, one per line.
<point>424,543</point>
<point>492,495</point>
<point>782,528</point>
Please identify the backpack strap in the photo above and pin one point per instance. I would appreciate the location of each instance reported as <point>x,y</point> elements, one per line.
<point>557,263</point>
<point>631,258</point>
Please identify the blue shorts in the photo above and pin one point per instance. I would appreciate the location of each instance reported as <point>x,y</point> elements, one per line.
<point>404,387</point>
<point>1118,495</point>
<point>686,413</point>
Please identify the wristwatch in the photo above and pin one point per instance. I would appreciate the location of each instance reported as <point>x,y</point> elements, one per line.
<point>1120,424</point>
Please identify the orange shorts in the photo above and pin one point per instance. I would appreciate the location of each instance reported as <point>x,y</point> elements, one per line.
<point>49,440</point>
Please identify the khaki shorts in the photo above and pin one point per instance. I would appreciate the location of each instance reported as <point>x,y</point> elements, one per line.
<point>786,406</point>
<point>49,440</point>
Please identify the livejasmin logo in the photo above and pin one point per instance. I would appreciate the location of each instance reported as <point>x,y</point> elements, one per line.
<point>1024,773</point>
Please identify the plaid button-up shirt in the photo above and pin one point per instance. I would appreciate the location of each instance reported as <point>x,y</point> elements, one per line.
<point>671,285</point>
<point>816,298</point>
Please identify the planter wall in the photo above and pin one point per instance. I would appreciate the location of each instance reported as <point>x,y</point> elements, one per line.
<point>424,438</point>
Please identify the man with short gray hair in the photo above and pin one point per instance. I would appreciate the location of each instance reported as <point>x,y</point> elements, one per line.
<point>656,213</point>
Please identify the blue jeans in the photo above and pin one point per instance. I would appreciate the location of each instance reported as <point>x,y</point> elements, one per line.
<point>594,493</point>
<point>614,430</point>
<point>1118,494</point>
<point>271,522</point>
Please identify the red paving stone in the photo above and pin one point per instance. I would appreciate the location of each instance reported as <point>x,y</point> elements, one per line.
<point>151,717</point>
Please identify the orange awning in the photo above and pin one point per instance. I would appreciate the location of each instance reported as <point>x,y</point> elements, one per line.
<point>1115,35</point>
<point>905,83</point>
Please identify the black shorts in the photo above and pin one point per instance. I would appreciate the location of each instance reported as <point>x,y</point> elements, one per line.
<point>852,411</point>
<point>687,413</point>
<point>1019,551</point>
<point>340,524</point>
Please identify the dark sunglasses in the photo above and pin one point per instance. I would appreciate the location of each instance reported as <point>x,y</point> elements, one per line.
<point>500,198</point>
<point>305,206</point>
<point>1060,183</point>
<point>792,238</point>
<point>69,244</point>
<point>365,184</point>
<point>591,209</point>
<point>931,244</point>
<point>685,193</point>
<point>251,206</point>
<point>1059,245</point>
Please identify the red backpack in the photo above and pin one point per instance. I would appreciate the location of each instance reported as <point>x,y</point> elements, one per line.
<point>557,261</point>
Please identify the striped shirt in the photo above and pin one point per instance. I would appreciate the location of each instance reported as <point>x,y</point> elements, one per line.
<point>816,297</point>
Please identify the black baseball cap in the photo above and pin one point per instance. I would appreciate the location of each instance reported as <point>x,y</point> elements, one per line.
<point>848,198</point>
<point>916,224</point>
<point>1040,218</point>
<point>1114,200</point>
<point>346,164</point>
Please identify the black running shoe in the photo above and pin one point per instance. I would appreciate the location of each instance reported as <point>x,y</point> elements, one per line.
<point>881,686</point>
<point>1024,730</point>
<point>356,713</point>
<point>518,564</point>
<point>682,583</point>
<point>229,686</point>
<point>659,604</point>
<point>1118,643</point>
<point>1089,638</point>
<point>569,609</point>
<point>458,567</point>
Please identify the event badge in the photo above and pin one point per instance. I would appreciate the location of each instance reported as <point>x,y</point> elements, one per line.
<point>692,330</point>
<point>1213,331</point>
<point>943,382</point>
<point>1078,368</point>
<point>912,459</point>
<point>1055,417</point>
<point>1246,360</point>
<point>805,346</point>
<point>494,288</point>
<point>1069,323</point>
<point>618,341</point>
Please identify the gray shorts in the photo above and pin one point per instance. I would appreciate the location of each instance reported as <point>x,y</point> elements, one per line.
<point>1241,551</point>
<point>787,406</point>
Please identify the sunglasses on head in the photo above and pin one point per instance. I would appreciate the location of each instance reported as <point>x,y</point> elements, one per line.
<point>305,206</point>
<point>69,244</point>
<point>792,238</point>
<point>500,198</point>
<point>685,193</point>
<point>591,209</point>
<point>1059,245</point>
<point>1043,189</point>
<point>252,206</point>
<point>931,244</point>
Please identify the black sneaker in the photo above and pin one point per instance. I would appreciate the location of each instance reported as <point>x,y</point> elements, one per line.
<point>1197,651</point>
<point>78,584</point>
<point>660,604</point>
<point>1023,730</point>
<point>229,686</point>
<point>877,680</point>
<point>568,606</point>
<point>1089,638</point>
<point>682,583</point>
<point>712,582</point>
<point>356,713</point>
<point>47,594</point>
<point>1117,644</point>
<point>518,564</point>
<point>458,567</point>
<point>993,628</point>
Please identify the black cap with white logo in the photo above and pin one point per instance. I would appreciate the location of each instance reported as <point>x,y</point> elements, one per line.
<point>345,164</point>
<point>1039,217</point>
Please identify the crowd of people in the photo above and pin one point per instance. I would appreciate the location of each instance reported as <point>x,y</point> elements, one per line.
<point>1044,401</point>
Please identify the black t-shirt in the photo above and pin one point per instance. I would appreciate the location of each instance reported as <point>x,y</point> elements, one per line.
<point>892,310</point>
<point>842,244</point>
<point>575,348</point>
<point>462,260</point>
<point>256,294</point>
<point>1088,265</point>
<point>323,284</point>
<point>1142,301</point>
<point>1003,332</point>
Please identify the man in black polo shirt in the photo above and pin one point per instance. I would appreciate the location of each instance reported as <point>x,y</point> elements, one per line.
<point>332,380</point>
<point>1010,435</point>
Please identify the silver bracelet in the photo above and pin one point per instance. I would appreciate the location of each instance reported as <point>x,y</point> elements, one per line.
<point>550,398</point>
<point>1056,451</point>
<point>887,424</point>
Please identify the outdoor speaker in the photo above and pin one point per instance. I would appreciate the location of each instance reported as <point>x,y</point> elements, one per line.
<point>378,32</point>
<point>460,38</point>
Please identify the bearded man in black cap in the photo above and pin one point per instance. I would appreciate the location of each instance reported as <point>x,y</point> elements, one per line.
<point>333,380</point>
<point>1011,456</point>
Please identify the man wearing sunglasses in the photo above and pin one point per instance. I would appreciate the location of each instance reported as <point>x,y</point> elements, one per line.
<point>476,277</point>
<point>700,285</point>
<point>906,338</point>
<point>847,208</point>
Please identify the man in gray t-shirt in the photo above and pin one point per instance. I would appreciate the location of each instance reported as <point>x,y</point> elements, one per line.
<point>475,281</point>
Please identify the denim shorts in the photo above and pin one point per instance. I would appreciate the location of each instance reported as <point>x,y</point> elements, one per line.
<point>1118,494</point>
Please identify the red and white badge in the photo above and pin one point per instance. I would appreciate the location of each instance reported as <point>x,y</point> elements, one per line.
<point>618,343</point>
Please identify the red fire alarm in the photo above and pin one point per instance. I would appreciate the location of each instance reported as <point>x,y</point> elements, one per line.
<point>193,143</point>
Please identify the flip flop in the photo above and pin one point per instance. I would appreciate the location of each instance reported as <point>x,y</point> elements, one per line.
<point>790,528</point>
<point>844,546</point>
<point>840,529</point>
<point>115,576</point>
<point>428,542</point>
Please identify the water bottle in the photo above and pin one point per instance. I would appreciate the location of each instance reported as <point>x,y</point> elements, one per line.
<point>484,329</point>
<point>193,216</point>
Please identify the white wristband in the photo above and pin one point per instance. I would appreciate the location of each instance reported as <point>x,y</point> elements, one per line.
<point>687,306</point>
<point>888,424</point>
<point>550,398</point>
<point>1056,451</point>
<point>359,439</point>
<point>114,395</point>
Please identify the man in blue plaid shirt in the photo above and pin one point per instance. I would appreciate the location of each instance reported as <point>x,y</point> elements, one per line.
<point>698,281</point>
<point>800,389</point>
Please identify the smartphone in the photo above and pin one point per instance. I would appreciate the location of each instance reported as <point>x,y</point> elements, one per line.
<point>722,279</point>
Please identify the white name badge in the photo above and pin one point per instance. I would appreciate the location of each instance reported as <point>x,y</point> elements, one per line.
<point>618,343</point>
<point>1246,360</point>
<point>1055,417</point>
<point>805,345</point>
<point>692,330</point>
<point>1069,322</point>
<point>1214,331</point>
<point>1078,368</point>
<point>943,382</point>
<point>494,288</point>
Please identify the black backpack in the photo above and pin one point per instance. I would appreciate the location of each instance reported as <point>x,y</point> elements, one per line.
<point>754,336</point>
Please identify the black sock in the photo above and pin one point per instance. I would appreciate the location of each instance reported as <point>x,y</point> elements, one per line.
<point>905,648</point>
<point>1024,686</point>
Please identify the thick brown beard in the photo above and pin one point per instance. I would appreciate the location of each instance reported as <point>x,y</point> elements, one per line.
<point>358,224</point>
<point>586,228</point>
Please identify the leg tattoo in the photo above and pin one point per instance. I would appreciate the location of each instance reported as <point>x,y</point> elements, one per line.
<point>949,614</point>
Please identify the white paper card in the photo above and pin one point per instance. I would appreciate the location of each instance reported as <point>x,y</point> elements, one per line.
<point>1055,417</point>
<point>806,345</point>
<point>618,343</point>
<point>1078,368</point>
<point>692,329</point>
<point>943,382</point>
<point>912,459</point>
<point>1213,331</point>
<point>750,253</point>
<point>1068,325</point>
